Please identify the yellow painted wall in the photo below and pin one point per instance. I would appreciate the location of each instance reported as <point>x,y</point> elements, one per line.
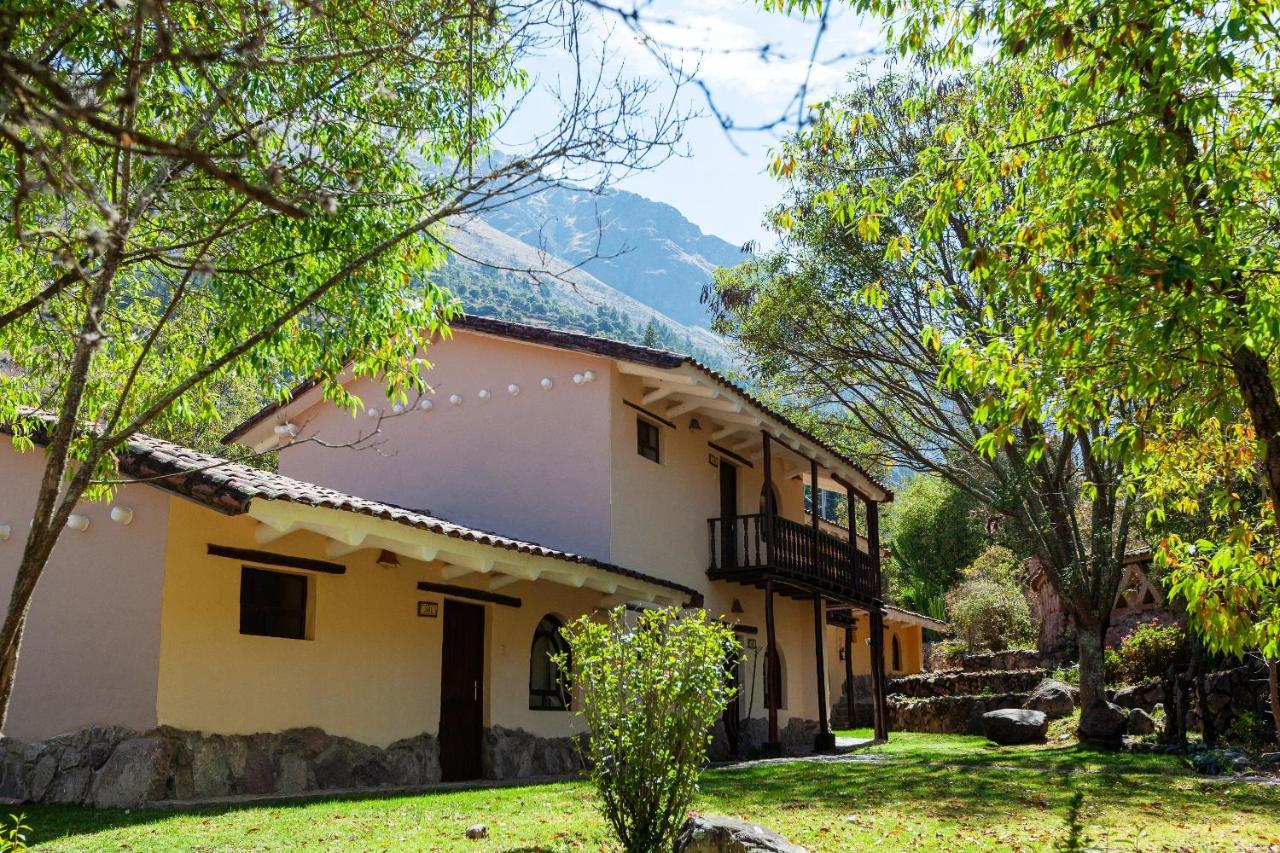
<point>371,669</point>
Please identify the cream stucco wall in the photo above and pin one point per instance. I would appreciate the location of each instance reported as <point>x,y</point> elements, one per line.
<point>370,669</point>
<point>92,640</point>
<point>910,640</point>
<point>533,466</point>
<point>659,524</point>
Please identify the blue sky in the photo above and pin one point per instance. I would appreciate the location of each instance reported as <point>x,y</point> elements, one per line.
<point>724,190</point>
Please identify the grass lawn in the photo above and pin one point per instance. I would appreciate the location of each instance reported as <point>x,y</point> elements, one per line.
<point>941,792</point>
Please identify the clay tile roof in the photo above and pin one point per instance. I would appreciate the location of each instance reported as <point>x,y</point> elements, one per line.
<point>607,348</point>
<point>231,486</point>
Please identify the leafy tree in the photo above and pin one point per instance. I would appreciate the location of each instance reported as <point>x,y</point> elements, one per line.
<point>650,687</point>
<point>213,194</point>
<point>860,313</point>
<point>1225,571</point>
<point>934,532</point>
<point>1145,139</point>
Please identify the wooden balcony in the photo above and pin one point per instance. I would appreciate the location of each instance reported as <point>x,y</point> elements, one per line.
<point>799,560</point>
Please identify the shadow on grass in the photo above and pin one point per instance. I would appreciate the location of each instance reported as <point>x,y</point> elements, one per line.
<point>52,823</point>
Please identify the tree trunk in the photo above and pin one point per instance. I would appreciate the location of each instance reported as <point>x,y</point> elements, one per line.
<point>1273,678</point>
<point>1259,394</point>
<point>34,557</point>
<point>1093,680</point>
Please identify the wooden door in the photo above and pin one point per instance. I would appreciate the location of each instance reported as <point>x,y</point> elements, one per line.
<point>728,515</point>
<point>461,691</point>
<point>733,709</point>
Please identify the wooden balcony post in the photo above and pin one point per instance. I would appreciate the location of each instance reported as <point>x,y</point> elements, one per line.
<point>824,741</point>
<point>769,508</point>
<point>771,670</point>
<point>873,543</point>
<point>848,668</point>
<point>879,708</point>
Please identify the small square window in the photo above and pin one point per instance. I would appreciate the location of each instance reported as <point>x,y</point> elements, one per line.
<point>273,604</point>
<point>647,439</point>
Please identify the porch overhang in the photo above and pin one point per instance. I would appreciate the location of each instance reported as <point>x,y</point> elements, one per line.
<point>495,564</point>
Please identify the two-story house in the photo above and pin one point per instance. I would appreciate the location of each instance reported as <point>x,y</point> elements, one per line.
<point>381,610</point>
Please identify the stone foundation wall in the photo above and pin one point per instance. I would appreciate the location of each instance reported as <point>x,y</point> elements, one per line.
<point>963,683</point>
<point>796,738</point>
<point>118,767</point>
<point>1012,659</point>
<point>947,714</point>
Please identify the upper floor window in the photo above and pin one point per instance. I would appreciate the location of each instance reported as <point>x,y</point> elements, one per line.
<point>273,604</point>
<point>547,685</point>
<point>647,440</point>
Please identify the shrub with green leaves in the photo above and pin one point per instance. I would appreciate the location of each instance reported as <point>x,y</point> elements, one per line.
<point>1149,650</point>
<point>988,614</point>
<point>649,686</point>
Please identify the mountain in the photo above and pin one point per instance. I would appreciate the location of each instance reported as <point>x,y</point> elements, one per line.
<point>489,273</point>
<point>642,248</point>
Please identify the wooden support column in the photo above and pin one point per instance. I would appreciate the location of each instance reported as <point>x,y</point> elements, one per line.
<point>824,740</point>
<point>848,672</point>
<point>878,680</point>
<point>769,508</point>
<point>771,670</point>
<point>879,709</point>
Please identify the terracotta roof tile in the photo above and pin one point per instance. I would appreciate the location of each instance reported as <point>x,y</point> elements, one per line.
<point>231,486</point>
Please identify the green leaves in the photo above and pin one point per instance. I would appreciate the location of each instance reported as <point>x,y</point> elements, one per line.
<point>649,687</point>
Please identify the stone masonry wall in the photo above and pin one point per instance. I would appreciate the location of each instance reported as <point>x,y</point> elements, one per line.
<point>950,714</point>
<point>118,767</point>
<point>963,683</point>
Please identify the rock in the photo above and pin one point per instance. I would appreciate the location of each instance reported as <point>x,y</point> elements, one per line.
<point>1103,724</point>
<point>515,753</point>
<point>1219,702</point>
<point>1139,722</point>
<point>477,831</point>
<point>70,786</point>
<point>1055,698</point>
<point>293,774</point>
<point>1015,725</point>
<point>715,834</point>
<point>1270,760</point>
<point>1144,696</point>
<point>134,774</point>
<point>42,776</point>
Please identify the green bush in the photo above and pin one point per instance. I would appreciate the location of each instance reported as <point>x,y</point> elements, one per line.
<point>1147,652</point>
<point>1246,732</point>
<point>988,614</point>
<point>997,563</point>
<point>650,687</point>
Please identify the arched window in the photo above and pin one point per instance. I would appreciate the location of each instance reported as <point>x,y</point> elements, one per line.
<point>548,689</point>
<point>896,664</point>
<point>775,682</point>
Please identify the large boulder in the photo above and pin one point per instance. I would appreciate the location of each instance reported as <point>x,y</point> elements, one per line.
<point>1139,722</point>
<point>715,834</point>
<point>1103,724</point>
<point>135,773</point>
<point>1015,725</point>
<point>1055,698</point>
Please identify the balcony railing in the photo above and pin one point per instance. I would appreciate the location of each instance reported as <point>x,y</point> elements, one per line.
<point>786,550</point>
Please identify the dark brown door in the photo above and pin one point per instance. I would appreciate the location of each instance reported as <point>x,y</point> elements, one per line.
<point>728,515</point>
<point>461,691</point>
<point>733,710</point>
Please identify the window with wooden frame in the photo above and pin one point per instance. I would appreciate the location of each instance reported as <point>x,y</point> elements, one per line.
<point>273,604</point>
<point>648,440</point>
